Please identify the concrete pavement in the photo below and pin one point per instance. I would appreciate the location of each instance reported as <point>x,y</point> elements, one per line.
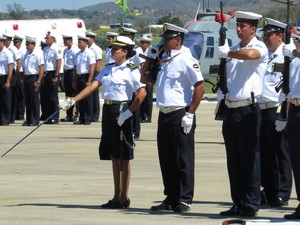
<point>55,177</point>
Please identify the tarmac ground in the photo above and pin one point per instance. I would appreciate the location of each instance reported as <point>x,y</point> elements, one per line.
<point>55,177</point>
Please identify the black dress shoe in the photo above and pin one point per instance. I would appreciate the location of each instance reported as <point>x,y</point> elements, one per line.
<point>147,120</point>
<point>87,123</point>
<point>68,119</point>
<point>233,211</point>
<point>78,123</point>
<point>163,206</point>
<point>182,207</point>
<point>278,202</point>
<point>121,205</point>
<point>4,124</point>
<point>110,204</point>
<point>293,216</point>
<point>51,122</point>
<point>247,212</point>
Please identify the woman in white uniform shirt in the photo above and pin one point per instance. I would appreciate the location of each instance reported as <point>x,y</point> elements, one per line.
<point>119,81</point>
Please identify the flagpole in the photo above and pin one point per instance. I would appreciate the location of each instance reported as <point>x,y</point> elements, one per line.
<point>124,6</point>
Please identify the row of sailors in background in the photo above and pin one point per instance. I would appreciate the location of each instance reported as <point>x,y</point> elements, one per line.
<point>31,79</point>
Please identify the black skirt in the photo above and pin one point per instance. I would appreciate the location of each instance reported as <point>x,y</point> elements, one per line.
<point>110,144</point>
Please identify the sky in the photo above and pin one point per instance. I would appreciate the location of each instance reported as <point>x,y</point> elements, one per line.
<point>51,4</point>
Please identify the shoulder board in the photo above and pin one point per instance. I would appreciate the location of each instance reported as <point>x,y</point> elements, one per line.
<point>132,66</point>
<point>109,64</point>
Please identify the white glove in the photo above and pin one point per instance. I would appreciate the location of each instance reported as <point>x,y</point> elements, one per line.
<point>124,116</point>
<point>187,122</point>
<point>287,49</point>
<point>280,125</point>
<point>282,97</point>
<point>223,50</point>
<point>220,95</point>
<point>67,103</point>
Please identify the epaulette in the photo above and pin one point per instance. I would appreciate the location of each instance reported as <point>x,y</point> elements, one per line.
<point>132,66</point>
<point>110,63</point>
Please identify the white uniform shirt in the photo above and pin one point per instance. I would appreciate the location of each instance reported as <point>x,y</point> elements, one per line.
<point>6,58</point>
<point>245,76</point>
<point>108,57</point>
<point>175,80</point>
<point>32,61</point>
<point>16,53</point>
<point>97,51</point>
<point>136,59</point>
<point>70,57</point>
<point>51,55</point>
<point>84,60</point>
<point>295,78</point>
<point>22,52</point>
<point>271,79</point>
<point>119,82</point>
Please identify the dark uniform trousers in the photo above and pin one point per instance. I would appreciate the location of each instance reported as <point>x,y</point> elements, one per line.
<point>49,97</point>
<point>293,135</point>
<point>147,104</point>
<point>32,100</point>
<point>86,105</point>
<point>276,171</point>
<point>96,105</point>
<point>20,95</point>
<point>5,104</point>
<point>69,90</point>
<point>241,135</point>
<point>176,153</point>
<point>136,120</point>
<point>13,98</point>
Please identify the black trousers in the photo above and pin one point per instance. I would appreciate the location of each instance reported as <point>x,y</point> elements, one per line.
<point>49,97</point>
<point>13,88</point>
<point>69,91</point>
<point>176,153</point>
<point>96,106</point>
<point>86,105</point>
<point>276,171</point>
<point>293,134</point>
<point>32,100</point>
<point>241,135</point>
<point>136,120</point>
<point>5,102</point>
<point>147,104</point>
<point>20,94</point>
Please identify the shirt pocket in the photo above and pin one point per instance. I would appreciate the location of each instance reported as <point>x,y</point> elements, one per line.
<point>173,75</point>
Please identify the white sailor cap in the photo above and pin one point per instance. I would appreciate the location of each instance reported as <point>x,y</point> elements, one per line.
<point>65,36</point>
<point>8,35</point>
<point>123,41</point>
<point>128,31</point>
<point>2,38</point>
<point>18,38</point>
<point>171,30</point>
<point>82,38</point>
<point>295,36</point>
<point>52,34</point>
<point>90,34</point>
<point>248,17</point>
<point>145,37</point>
<point>111,34</point>
<point>271,25</point>
<point>30,39</point>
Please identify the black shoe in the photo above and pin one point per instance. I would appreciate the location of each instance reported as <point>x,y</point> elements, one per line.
<point>4,124</point>
<point>110,204</point>
<point>147,120</point>
<point>68,119</point>
<point>51,122</point>
<point>162,206</point>
<point>87,123</point>
<point>293,216</point>
<point>121,205</point>
<point>233,211</point>
<point>78,123</point>
<point>278,202</point>
<point>247,212</point>
<point>182,207</point>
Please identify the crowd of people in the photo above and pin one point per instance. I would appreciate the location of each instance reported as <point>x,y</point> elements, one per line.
<point>262,146</point>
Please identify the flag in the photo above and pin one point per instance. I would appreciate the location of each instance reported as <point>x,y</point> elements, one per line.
<point>126,9</point>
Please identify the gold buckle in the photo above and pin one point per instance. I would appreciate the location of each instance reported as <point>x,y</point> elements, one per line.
<point>108,102</point>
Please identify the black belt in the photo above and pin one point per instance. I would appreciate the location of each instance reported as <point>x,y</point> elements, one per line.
<point>68,70</point>
<point>82,75</point>
<point>112,102</point>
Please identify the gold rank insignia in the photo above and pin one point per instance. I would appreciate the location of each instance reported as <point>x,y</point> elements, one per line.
<point>132,66</point>
<point>196,67</point>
